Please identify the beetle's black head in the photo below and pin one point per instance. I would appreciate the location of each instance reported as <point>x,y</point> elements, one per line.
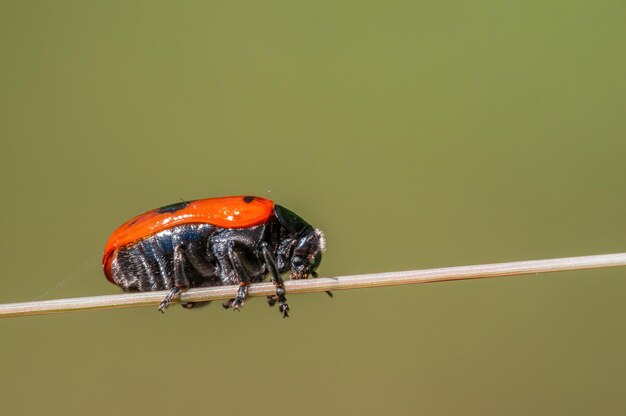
<point>303,253</point>
<point>307,254</point>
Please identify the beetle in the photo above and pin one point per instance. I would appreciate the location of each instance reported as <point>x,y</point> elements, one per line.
<point>235,240</point>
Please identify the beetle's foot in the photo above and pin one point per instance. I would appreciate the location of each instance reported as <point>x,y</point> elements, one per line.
<point>234,304</point>
<point>271,300</point>
<point>283,307</point>
<point>238,304</point>
<point>239,300</point>
<point>163,305</point>
<point>190,305</point>
<point>282,301</point>
<point>168,299</point>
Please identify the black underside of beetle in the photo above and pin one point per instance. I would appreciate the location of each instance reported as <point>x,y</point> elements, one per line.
<point>200,255</point>
<point>149,264</point>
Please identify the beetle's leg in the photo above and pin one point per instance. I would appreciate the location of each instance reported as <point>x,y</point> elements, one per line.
<point>180,279</point>
<point>242,274</point>
<point>168,298</point>
<point>328,292</point>
<point>271,300</point>
<point>203,265</point>
<point>283,307</point>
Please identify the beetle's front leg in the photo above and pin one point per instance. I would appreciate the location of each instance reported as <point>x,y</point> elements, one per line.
<point>283,307</point>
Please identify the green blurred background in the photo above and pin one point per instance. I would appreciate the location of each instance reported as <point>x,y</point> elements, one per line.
<point>416,134</point>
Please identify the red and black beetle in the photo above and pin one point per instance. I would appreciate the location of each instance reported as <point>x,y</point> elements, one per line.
<point>211,242</point>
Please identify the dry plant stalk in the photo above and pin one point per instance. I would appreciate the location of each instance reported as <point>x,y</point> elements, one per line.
<point>318,285</point>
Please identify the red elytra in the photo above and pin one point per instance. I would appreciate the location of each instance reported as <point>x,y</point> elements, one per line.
<point>225,212</point>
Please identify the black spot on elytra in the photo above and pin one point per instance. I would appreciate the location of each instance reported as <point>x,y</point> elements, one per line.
<point>248,199</point>
<point>172,207</point>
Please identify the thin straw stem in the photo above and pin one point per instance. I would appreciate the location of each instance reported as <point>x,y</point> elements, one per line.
<point>318,285</point>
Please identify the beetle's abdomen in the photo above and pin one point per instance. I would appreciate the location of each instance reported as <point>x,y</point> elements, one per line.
<point>148,264</point>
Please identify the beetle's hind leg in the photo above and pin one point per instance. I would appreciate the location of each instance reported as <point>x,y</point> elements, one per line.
<point>280,297</point>
<point>180,279</point>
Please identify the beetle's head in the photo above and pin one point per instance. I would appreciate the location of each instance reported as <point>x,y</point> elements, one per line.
<point>304,246</point>
<point>307,254</point>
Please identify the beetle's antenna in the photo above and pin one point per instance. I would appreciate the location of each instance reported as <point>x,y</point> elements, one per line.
<point>531,267</point>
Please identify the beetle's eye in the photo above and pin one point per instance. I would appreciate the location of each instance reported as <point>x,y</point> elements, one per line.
<point>315,260</point>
